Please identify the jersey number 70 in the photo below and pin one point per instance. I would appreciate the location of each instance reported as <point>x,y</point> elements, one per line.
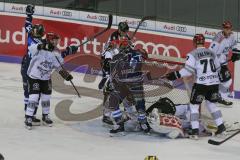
<point>205,63</point>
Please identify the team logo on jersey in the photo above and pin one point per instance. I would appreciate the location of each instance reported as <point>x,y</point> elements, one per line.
<point>35,86</point>
<point>215,96</point>
<point>151,158</point>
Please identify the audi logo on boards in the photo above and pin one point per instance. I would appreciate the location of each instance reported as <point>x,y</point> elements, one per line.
<point>181,29</point>
<point>67,13</point>
<point>154,49</point>
<point>103,18</point>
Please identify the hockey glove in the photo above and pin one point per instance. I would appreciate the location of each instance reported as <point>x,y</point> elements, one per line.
<point>102,83</point>
<point>46,46</point>
<point>72,49</point>
<point>173,76</point>
<point>235,55</point>
<point>30,9</point>
<point>67,76</point>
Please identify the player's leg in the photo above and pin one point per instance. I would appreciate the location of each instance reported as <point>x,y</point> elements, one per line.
<point>115,98</point>
<point>138,95</point>
<point>24,68</point>
<point>224,87</point>
<point>34,90</point>
<point>212,98</point>
<point>46,91</point>
<point>197,96</point>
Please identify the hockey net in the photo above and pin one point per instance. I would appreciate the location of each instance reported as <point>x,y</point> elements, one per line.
<point>179,91</point>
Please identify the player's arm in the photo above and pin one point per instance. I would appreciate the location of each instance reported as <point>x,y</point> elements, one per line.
<point>188,69</point>
<point>235,55</point>
<point>58,62</point>
<point>28,22</point>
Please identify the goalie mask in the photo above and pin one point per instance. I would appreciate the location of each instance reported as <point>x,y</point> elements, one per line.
<point>164,105</point>
<point>166,124</point>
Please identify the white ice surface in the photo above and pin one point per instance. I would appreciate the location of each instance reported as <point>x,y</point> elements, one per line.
<point>89,140</point>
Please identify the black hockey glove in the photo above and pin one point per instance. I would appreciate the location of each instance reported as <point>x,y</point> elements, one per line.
<point>173,75</point>
<point>67,76</point>
<point>72,49</point>
<point>235,55</point>
<point>46,46</point>
<point>30,9</point>
<point>102,83</point>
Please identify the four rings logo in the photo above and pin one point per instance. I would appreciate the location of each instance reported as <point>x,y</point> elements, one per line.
<point>67,13</point>
<point>103,18</point>
<point>181,29</point>
<point>165,50</point>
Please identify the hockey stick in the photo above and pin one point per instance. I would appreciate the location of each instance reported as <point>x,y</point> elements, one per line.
<point>213,142</point>
<point>139,24</point>
<point>70,80</point>
<point>110,19</point>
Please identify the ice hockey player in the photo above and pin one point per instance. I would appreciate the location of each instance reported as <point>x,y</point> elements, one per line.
<point>117,40</point>
<point>127,79</point>
<point>221,45</point>
<point>202,63</point>
<point>45,58</point>
<point>35,35</point>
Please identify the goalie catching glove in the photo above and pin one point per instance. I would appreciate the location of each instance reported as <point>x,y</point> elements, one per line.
<point>67,76</point>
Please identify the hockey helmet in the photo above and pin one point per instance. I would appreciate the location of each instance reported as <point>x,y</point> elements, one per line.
<point>52,36</point>
<point>38,31</point>
<point>227,24</point>
<point>199,39</point>
<point>123,26</point>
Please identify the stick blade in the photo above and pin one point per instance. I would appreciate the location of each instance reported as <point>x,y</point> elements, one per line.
<point>216,143</point>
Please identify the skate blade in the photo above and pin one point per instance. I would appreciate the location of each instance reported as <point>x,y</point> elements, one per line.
<point>193,137</point>
<point>36,123</point>
<point>48,125</point>
<point>119,134</point>
<point>28,127</point>
<point>107,125</point>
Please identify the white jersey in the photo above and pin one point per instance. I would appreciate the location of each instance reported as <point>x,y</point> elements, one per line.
<point>202,63</point>
<point>43,63</point>
<point>222,45</point>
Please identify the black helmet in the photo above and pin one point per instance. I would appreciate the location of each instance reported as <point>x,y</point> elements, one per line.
<point>123,26</point>
<point>38,30</point>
